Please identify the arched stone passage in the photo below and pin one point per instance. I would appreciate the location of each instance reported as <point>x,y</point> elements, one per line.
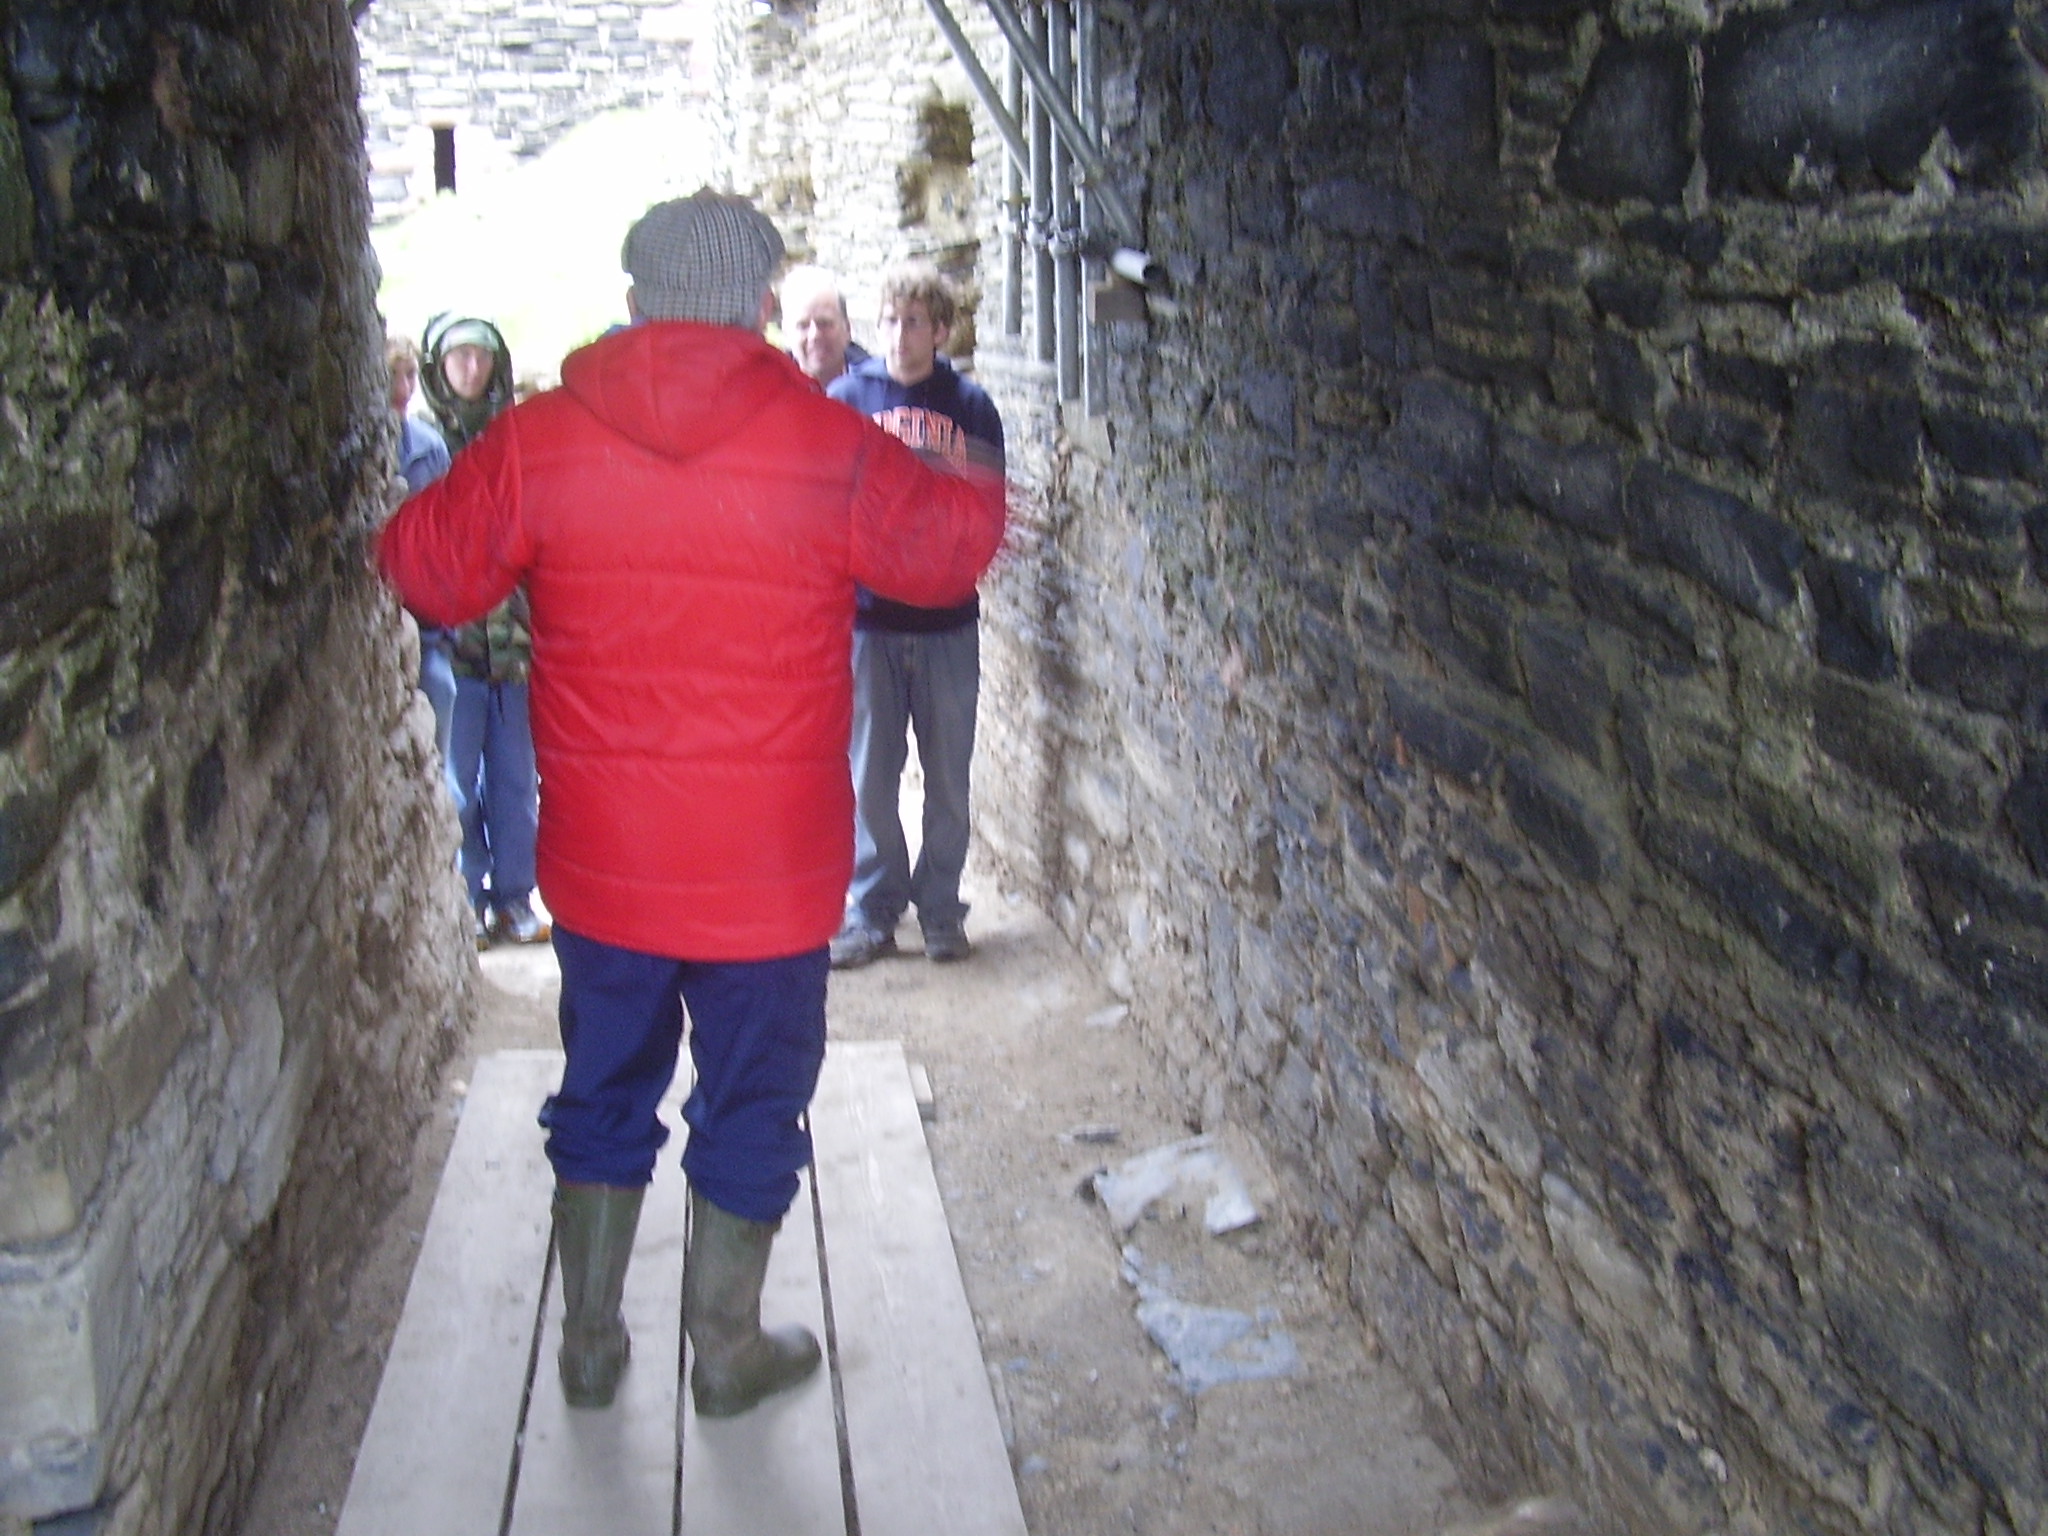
<point>1535,691</point>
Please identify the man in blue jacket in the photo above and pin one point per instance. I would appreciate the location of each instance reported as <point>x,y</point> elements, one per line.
<point>914,668</point>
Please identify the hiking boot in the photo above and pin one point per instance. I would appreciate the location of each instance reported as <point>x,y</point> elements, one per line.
<point>946,942</point>
<point>856,944</point>
<point>486,931</point>
<point>517,922</point>
<point>737,1362</point>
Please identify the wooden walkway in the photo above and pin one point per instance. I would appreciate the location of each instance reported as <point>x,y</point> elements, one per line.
<point>898,1436</point>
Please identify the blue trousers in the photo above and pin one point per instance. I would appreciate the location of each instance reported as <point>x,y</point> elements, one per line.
<point>901,683</point>
<point>490,756</point>
<point>437,682</point>
<point>757,1041</point>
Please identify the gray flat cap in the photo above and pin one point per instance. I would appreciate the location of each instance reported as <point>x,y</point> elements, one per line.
<point>707,257</point>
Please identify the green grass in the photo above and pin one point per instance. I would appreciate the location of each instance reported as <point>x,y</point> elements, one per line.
<point>535,247</point>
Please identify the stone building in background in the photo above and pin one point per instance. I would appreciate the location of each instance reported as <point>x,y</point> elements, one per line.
<point>454,91</point>
<point>1535,686</point>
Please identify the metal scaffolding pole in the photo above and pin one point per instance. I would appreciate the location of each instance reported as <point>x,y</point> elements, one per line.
<point>1013,211</point>
<point>1077,217</point>
<point>1088,72</point>
<point>1066,210</point>
<point>1029,44</point>
<point>1044,315</point>
<point>1005,118</point>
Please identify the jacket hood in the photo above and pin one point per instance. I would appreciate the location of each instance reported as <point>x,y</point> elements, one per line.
<point>461,420</point>
<point>676,387</point>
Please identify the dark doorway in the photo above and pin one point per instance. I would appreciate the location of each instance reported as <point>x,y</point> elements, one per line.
<point>444,159</point>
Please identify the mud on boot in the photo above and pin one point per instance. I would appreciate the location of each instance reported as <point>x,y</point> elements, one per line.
<point>594,1227</point>
<point>736,1363</point>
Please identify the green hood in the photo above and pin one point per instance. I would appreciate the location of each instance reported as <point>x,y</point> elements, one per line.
<point>461,420</point>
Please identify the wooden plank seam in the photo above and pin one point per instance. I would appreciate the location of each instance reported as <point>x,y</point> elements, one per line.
<point>540,1317</point>
<point>831,1343</point>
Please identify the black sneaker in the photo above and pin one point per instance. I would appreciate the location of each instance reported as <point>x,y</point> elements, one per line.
<point>947,944</point>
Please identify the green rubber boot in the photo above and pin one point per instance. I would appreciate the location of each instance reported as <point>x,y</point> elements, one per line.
<point>594,1226</point>
<point>737,1364</point>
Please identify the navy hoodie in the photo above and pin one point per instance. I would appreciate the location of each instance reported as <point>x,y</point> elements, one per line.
<point>939,415</point>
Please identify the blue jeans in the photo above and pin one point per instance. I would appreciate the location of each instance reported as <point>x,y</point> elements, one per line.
<point>491,759</point>
<point>925,683</point>
<point>437,682</point>
<point>757,1041</point>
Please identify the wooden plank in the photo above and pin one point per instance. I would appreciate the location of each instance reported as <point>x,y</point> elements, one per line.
<point>438,1448</point>
<point>925,1444</point>
<point>615,1469</point>
<point>921,1090</point>
<point>774,1470</point>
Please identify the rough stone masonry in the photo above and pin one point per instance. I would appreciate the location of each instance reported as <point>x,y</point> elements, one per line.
<point>1544,705</point>
<point>232,951</point>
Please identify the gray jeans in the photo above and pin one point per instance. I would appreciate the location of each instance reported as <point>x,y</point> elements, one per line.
<point>927,684</point>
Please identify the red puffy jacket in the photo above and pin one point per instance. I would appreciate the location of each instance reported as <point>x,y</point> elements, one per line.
<point>689,515</point>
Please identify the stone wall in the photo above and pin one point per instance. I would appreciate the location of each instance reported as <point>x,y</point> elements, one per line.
<point>859,168</point>
<point>232,953</point>
<point>509,77</point>
<point>1543,707</point>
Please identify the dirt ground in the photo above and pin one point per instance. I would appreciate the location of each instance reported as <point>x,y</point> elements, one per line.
<point>1038,1083</point>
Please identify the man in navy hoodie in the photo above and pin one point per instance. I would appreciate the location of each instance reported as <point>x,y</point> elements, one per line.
<point>914,668</point>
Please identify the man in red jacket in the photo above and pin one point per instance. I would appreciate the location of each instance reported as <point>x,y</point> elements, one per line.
<point>690,517</point>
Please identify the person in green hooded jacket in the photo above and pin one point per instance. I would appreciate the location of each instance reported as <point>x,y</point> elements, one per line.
<point>467,380</point>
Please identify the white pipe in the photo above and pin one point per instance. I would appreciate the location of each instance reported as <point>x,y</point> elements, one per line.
<point>1137,267</point>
